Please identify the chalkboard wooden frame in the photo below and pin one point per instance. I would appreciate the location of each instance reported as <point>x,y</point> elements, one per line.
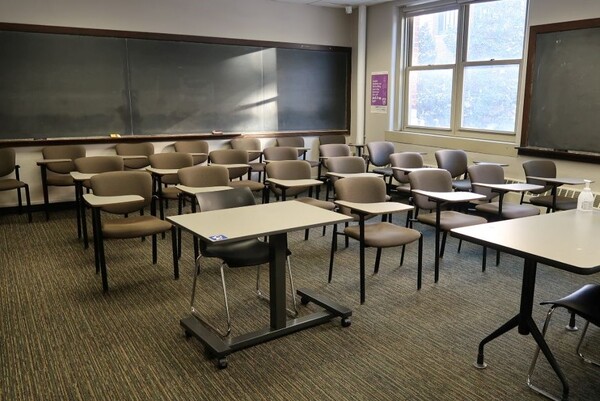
<point>528,112</point>
<point>179,38</point>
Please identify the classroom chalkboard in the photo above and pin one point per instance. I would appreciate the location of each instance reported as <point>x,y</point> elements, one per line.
<point>87,84</point>
<point>563,96</point>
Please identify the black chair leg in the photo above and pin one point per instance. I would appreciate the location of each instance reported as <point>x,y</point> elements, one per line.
<point>176,252</point>
<point>154,250</point>
<point>377,260</point>
<point>484,259</point>
<point>497,257</point>
<point>420,262</point>
<point>28,200</point>
<point>402,255</point>
<point>443,247</point>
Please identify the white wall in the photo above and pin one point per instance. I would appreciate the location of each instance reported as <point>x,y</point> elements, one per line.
<point>243,19</point>
<point>381,33</point>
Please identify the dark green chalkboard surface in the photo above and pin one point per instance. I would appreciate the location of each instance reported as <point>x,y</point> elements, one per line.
<point>562,110</point>
<point>90,83</point>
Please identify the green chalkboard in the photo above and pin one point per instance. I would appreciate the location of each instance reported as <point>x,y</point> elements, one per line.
<point>82,83</point>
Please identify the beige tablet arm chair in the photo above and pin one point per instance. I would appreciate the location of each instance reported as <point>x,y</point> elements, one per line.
<point>8,166</point>
<point>143,150</point>
<point>198,149</point>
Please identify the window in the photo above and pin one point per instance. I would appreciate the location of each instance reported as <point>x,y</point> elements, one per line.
<point>463,67</point>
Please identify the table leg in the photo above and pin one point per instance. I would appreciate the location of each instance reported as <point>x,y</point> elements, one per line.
<point>78,204</point>
<point>362,258</point>
<point>438,215</point>
<point>44,174</point>
<point>278,254</point>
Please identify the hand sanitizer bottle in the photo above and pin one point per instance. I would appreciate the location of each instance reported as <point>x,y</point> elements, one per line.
<point>585,201</point>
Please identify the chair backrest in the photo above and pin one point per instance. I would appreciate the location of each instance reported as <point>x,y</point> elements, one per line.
<point>115,183</point>
<point>248,144</point>
<point>334,150</point>
<point>361,190</point>
<point>487,174</point>
<point>280,153</point>
<point>329,139</point>
<point>171,160</point>
<point>231,156</point>
<point>379,152</point>
<point>63,152</point>
<point>347,164</point>
<point>193,147</point>
<point>204,176</point>
<point>539,168</point>
<point>453,160</point>
<point>289,169</point>
<point>7,161</point>
<point>98,164</point>
<point>135,149</point>
<point>236,197</point>
<point>430,179</point>
<point>293,141</point>
<point>407,160</point>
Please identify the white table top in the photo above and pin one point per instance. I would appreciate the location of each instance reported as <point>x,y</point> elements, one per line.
<point>162,171</point>
<point>490,163</point>
<point>77,176</point>
<point>198,190</point>
<point>458,196</point>
<point>559,180</point>
<point>95,200</point>
<point>517,187</point>
<point>347,175</point>
<point>377,207</point>
<point>567,240</point>
<point>407,170</point>
<point>308,182</point>
<point>255,221</point>
<point>47,161</point>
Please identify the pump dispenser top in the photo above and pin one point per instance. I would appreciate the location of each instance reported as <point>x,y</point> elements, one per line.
<point>585,201</point>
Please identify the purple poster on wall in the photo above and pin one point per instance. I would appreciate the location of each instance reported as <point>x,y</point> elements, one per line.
<point>379,92</point>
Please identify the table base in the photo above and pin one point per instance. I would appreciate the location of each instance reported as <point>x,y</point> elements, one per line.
<point>219,348</point>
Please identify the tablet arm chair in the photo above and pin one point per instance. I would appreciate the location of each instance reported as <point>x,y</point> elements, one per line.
<point>295,170</point>
<point>329,139</point>
<point>405,160</point>
<point>198,149</point>
<point>244,253</point>
<point>57,173</point>
<point>378,235</point>
<point>105,187</point>
<point>277,153</point>
<point>444,220</point>
<point>253,147</point>
<point>344,164</point>
<point>7,166</point>
<point>455,161</point>
<point>164,186</point>
<point>547,169</point>
<point>296,142</point>
<point>584,302</point>
<point>142,150</point>
<point>236,156</point>
<point>379,157</point>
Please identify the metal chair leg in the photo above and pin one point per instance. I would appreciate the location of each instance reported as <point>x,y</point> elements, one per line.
<point>578,350</point>
<point>535,358</point>
<point>261,295</point>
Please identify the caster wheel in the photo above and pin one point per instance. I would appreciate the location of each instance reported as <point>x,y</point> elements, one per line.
<point>304,300</point>
<point>346,322</point>
<point>222,363</point>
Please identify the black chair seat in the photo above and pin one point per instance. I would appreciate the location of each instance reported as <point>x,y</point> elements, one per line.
<point>584,302</point>
<point>239,254</point>
<point>387,171</point>
<point>461,185</point>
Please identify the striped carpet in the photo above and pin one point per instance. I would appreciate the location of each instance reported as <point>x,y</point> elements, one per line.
<point>63,339</point>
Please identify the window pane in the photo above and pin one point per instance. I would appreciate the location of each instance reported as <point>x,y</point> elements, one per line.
<point>430,98</point>
<point>490,97</point>
<point>496,30</point>
<point>434,38</point>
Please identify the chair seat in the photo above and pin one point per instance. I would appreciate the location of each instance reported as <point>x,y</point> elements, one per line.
<point>387,171</point>
<point>403,188</point>
<point>383,234</point>
<point>450,219</point>
<point>135,226</point>
<point>11,183</point>
<point>250,252</point>
<point>60,180</point>
<point>462,185</point>
<point>170,193</point>
<point>313,163</point>
<point>585,302</point>
<point>562,202</point>
<point>253,185</point>
<point>509,210</point>
<point>318,203</point>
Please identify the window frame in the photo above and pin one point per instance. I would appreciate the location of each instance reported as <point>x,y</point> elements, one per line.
<point>458,73</point>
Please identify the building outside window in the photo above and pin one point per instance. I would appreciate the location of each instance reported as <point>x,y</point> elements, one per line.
<point>463,66</point>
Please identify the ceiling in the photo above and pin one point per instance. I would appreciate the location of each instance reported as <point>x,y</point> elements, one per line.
<point>335,3</point>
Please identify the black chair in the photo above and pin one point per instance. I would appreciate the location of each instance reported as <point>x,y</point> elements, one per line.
<point>584,302</point>
<point>455,161</point>
<point>244,253</point>
<point>546,169</point>
<point>379,157</point>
